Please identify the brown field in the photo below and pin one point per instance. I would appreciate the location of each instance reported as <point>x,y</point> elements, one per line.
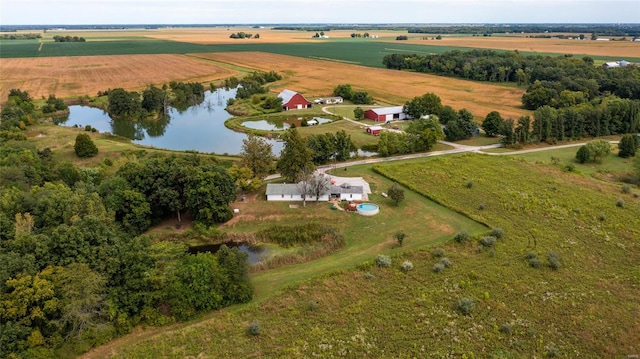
<point>315,78</point>
<point>217,35</point>
<point>86,75</point>
<point>619,49</point>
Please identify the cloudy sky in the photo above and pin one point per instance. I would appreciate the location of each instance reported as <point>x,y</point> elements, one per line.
<point>73,12</point>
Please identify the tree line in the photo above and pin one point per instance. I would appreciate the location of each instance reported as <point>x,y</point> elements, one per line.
<point>555,81</point>
<point>59,38</point>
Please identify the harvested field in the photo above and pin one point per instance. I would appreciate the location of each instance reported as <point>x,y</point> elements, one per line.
<point>86,75</point>
<point>621,49</point>
<point>315,78</point>
<point>220,35</point>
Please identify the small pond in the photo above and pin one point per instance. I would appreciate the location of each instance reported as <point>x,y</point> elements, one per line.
<point>200,127</point>
<point>266,125</point>
<point>255,253</point>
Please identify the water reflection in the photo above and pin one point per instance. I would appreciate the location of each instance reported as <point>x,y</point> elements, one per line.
<point>199,127</point>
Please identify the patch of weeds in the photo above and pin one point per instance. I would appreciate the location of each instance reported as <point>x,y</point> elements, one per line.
<point>407,266</point>
<point>488,241</point>
<point>552,352</point>
<point>383,261</point>
<point>602,217</point>
<point>469,184</point>
<point>369,275</point>
<point>492,252</point>
<point>497,232</point>
<point>625,188</point>
<point>506,328</point>
<point>554,260</point>
<point>313,305</point>
<point>445,262</point>
<point>254,328</point>
<point>466,306</point>
<point>481,206</point>
<point>438,267</point>
<point>438,252</point>
<point>461,237</point>
<point>620,203</point>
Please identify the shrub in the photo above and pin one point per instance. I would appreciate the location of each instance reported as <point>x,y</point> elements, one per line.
<point>488,241</point>
<point>554,260</point>
<point>445,262</point>
<point>313,305</point>
<point>481,206</point>
<point>407,266</point>
<point>583,155</point>
<point>506,328</point>
<point>84,146</point>
<point>602,217</point>
<point>570,167</point>
<point>469,184</point>
<point>492,252</point>
<point>552,352</point>
<point>533,259</point>
<point>369,275</point>
<point>497,232</point>
<point>466,306</point>
<point>383,261</point>
<point>254,328</point>
<point>620,203</point>
<point>625,188</point>
<point>438,252</point>
<point>461,237</point>
<point>438,267</point>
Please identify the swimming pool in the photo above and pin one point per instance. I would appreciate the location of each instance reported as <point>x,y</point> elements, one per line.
<point>368,209</point>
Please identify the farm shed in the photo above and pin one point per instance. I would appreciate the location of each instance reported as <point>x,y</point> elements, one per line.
<point>385,114</point>
<point>292,100</point>
<point>374,130</point>
<point>329,100</point>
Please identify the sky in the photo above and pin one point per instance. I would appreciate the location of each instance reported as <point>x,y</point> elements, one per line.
<point>99,12</point>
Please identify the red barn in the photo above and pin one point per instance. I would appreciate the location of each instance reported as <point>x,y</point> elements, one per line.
<point>374,130</point>
<point>385,114</point>
<point>292,100</point>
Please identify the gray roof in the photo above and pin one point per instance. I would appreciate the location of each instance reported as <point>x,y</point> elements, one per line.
<point>276,189</point>
<point>388,110</point>
<point>346,188</point>
<point>282,188</point>
<point>286,95</point>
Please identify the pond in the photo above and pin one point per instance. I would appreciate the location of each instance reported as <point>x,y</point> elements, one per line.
<point>254,253</point>
<point>200,127</point>
<point>266,125</point>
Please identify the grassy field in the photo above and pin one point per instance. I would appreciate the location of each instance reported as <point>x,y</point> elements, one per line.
<point>612,164</point>
<point>589,307</point>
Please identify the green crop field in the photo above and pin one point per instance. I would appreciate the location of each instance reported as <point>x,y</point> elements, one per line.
<point>366,53</point>
<point>587,307</point>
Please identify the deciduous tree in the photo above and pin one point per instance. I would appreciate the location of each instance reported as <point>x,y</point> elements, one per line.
<point>84,146</point>
<point>396,193</point>
<point>295,156</point>
<point>257,155</point>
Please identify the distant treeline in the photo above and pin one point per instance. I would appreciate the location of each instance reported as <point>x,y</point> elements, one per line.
<point>600,29</point>
<point>560,81</point>
<point>67,38</point>
<point>21,36</point>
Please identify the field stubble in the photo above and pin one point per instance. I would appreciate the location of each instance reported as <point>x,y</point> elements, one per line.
<point>86,75</point>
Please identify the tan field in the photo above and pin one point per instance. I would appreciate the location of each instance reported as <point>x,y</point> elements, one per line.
<point>86,75</point>
<point>621,49</point>
<point>315,78</point>
<point>219,35</point>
